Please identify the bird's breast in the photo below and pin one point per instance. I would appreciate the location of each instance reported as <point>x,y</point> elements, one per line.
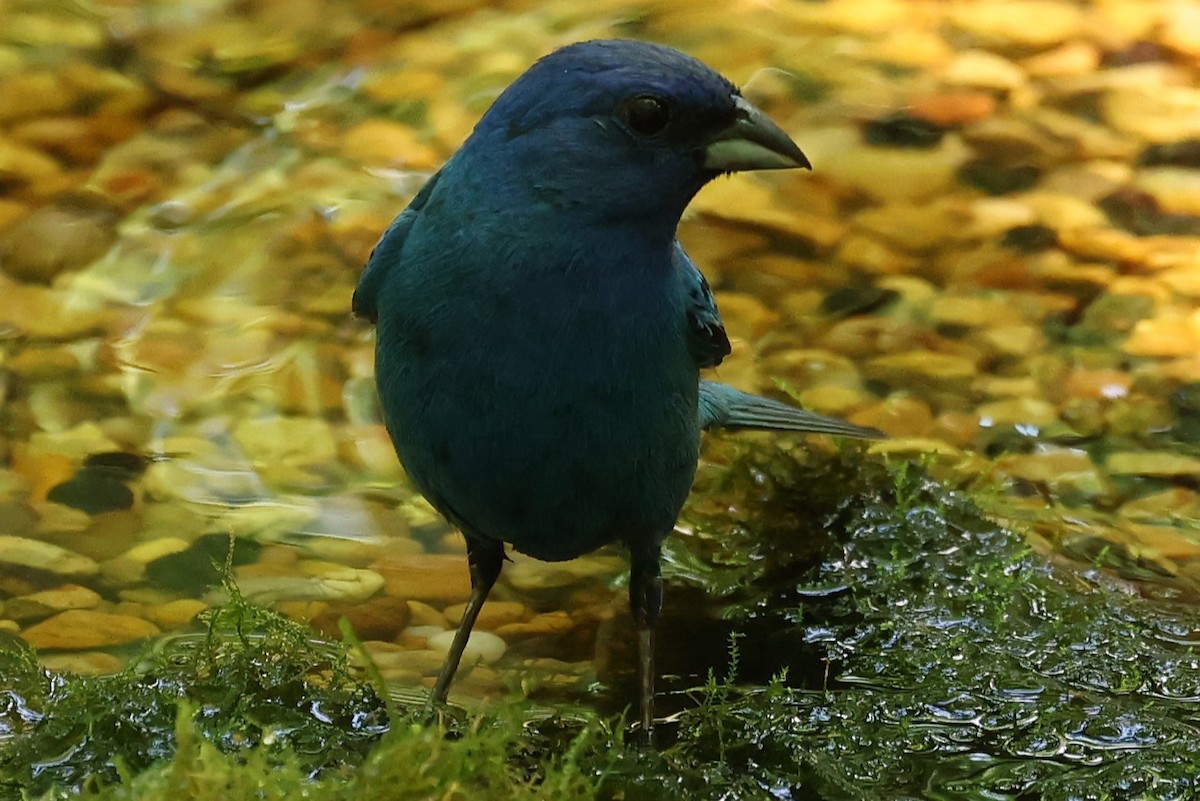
<point>551,414</point>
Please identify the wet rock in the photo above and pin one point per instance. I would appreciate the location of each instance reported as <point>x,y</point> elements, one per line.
<point>81,630</point>
<point>20,552</point>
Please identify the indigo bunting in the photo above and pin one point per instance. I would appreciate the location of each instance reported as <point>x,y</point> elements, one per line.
<point>540,330</point>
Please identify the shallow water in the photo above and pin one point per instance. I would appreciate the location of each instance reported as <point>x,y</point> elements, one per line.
<point>994,260</point>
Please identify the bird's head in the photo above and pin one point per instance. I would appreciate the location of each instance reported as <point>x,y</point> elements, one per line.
<point>627,130</point>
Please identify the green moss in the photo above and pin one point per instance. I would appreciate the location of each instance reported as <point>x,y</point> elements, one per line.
<point>891,643</point>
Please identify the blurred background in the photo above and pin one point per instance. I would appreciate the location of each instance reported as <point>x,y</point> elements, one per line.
<point>996,260</point>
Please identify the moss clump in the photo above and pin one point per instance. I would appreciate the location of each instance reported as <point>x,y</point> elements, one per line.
<point>929,653</point>
<point>253,682</point>
<point>891,644</point>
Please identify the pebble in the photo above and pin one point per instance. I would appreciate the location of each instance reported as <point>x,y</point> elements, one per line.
<point>55,239</point>
<point>915,227</point>
<point>1152,463</point>
<point>343,584</point>
<point>81,629</point>
<point>48,602</point>
<point>549,623</point>
<point>1181,27</point>
<point>530,575</point>
<point>1021,411</point>
<point>482,646</point>
<point>886,174</point>
<point>983,70</point>
<point>378,618</point>
<point>23,552</point>
<point>1018,23</point>
<point>1176,189</point>
<point>86,663</point>
<point>938,367</point>
<point>997,188</point>
<point>175,614</point>
<point>952,109</point>
<point>385,143</point>
<point>1062,469</point>
<point>293,441</point>
<point>431,578</point>
<point>1173,333</point>
<point>494,614</point>
<point>397,663</point>
<point>1168,114</point>
<point>1175,503</point>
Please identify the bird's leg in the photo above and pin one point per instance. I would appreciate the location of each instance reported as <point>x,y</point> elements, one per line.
<point>645,601</point>
<point>484,560</point>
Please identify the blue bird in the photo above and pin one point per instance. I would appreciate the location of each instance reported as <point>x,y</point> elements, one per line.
<point>540,331</point>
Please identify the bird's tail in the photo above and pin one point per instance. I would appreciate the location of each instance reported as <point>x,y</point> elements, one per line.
<point>722,406</point>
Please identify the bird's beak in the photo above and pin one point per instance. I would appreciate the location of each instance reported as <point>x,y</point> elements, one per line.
<point>753,142</point>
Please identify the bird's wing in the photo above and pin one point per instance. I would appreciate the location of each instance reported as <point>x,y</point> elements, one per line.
<point>722,406</point>
<point>386,255</point>
<point>707,340</point>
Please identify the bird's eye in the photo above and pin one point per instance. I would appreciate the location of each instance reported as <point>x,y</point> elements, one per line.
<point>645,115</point>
